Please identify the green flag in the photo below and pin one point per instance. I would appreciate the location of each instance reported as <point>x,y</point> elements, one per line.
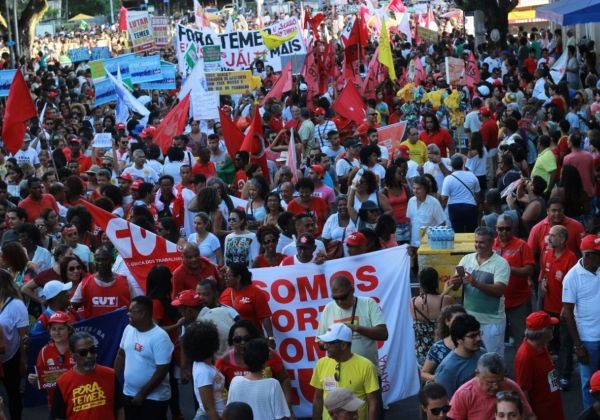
<point>83,25</point>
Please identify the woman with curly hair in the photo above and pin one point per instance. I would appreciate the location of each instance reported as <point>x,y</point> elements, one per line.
<point>268,236</point>
<point>273,208</point>
<point>207,201</point>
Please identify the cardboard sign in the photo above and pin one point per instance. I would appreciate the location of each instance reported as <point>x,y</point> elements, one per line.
<point>167,82</point>
<point>99,53</point>
<point>391,136</point>
<point>6,78</point>
<point>104,92</point>
<point>160,29</point>
<point>427,35</point>
<point>455,71</point>
<point>140,31</point>
<point>102,141</point>
<point>79,54</point>
<point>230,82</point>
<point>205,105</point>
<point>145,69</point>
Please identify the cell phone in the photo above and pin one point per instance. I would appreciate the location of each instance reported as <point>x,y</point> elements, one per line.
<point>460,270</point>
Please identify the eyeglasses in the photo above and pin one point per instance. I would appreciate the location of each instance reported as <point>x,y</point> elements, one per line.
<point>75,268</point>
<point>503,228</point>
<point>473,335</point>
<point>85,352</point>
<point>342,297</point>
<point>232,220</point>
<point>438,410</point>
<point>337,374</point>
<point>238,339</point>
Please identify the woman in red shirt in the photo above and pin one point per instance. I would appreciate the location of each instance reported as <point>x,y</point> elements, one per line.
<point>268,236</point>
<point>397,193</point>
<point>306,203</point>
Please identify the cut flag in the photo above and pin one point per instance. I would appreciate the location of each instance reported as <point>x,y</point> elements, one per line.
<point>314,22</point>
<point>231,134</point>
<point>254,142</point>
<point>375,77</point>
<point>19,109</point>
<point>350,105</point>
<point>172,125</point>
<point>274,41</point>
<point>123,19</point>
<point>472,75</point>
<point>283,84</point>
<point>385,51</point>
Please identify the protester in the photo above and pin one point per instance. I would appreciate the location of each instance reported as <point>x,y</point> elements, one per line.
<point>193,268</point>
<point>433,400</point>
<point>241,245</point>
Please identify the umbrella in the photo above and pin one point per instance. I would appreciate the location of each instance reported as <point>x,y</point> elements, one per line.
<point>80,16</point>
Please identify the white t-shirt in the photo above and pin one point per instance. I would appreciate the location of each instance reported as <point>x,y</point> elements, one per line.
<point>434,169</point>
<point>478,165</point>
<point>265,396</point>
<point>144,351</point>
<point>223,317</point>
<point>472,121</point>
<point>583,289</point>
<point>333,154</point>
<point>146,173</point>
<point>13,317</point>
<point>342,167</point>
<point>188,216</point>
<point>208,247</point>
<point>29,156</point>
<point>42,258</point>
<point>429,213</point>
<point>458,193</point>
<point>242,248</point>
<point>321,131</point>
<point>84,253</point>
<point>205,375</point>
<point>173,169</point>
<point>290,249</point>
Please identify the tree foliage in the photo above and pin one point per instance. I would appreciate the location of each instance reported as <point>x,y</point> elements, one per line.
<point>495,12</point>
<point>28,19</point>
<point>91,7</point>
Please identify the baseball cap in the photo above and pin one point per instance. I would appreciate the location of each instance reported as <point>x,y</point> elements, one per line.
<point>485,111</point>
<point>357,239</point>
<point>590,243</point>
<point>94,169</point>
<point>54,287</point>
<point>483,90</point>
<point>147,132</point>
<point>539,320</point>
<point>319,111</point>
<point>595,382</point>
<point>305,240</point>
<point>318,169</point>
<point>126,177</point>
<point>337,332</point>
<point>342,399</point>
<point>136,184</point>
<point>120,126</point>
<point>59,317</point>
<point>187,298</point>
<point>283,156</point>
<point>26,138</point>
<point>404,151</point>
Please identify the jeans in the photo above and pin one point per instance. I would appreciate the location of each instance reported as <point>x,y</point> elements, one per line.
<point>12,382</point>
<point>515,317</point>
<point>586,371</point>
<point>562,344</point>
<point>464,217</point>
<point>493,337</point>
<point>149,410</point>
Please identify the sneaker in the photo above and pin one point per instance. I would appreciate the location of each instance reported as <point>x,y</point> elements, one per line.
<point>564,384</point>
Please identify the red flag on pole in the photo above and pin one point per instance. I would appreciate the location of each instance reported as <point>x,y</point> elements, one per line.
<point>172,125</point>
<point>254,142</point>
<point>123,19</point>
<point>472,75</point>
<point>140,249</point>
<point>375,77</point>
<point>310,72</point>
<point>314,23</point>
<point>19,109</point>
<point>350,104</point>
<point>231,134</point>
<point>283,84</point>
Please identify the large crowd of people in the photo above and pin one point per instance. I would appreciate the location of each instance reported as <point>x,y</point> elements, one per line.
<point>514,162</point>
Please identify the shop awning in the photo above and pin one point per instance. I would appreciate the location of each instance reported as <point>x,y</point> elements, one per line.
<point>570,12</point>
<point>523,16</point>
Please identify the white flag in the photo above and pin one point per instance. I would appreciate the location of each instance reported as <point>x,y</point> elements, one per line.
<point>559,68</point>
<point>199,16</point>
<point>404,24</point>
<point>126,99</point>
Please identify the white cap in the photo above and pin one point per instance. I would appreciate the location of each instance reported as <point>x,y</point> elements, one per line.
<point>337,332</point>
<point>283,156</point>
<point>341,398</point>
<point>54,287</point>
<point>303,87</point>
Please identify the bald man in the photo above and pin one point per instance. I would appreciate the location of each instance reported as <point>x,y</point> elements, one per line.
<point>193,268</point>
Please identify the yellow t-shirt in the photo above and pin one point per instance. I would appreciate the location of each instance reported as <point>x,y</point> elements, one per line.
<point>357,374</point>
<point>417,151</point>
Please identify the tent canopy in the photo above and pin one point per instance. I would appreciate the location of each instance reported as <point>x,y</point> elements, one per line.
<point>80,16</point>
<point>570,12</point>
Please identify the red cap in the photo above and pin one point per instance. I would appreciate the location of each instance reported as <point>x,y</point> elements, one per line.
<point>404,151</point>
<point>595,382</point>
<point>187,298</point>
<point>136,184</point>
<point>319,111</point>
<point>318,169</point>
<point>590,243</point>
<point>126,177</point>
<point>59,317</point>
<point>147,132</point>
<point>75,140</point>
<point>120,126</point>
<point>357,239</point>
<point>485,111</point>
<point>539,320</point>
<point>52,94</point>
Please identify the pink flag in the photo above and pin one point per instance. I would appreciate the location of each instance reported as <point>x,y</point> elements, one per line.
<point>472,75</point>
<point>283,84</point>
<point>397,6</point>
<point>375,76</point>
<point>310,72</point>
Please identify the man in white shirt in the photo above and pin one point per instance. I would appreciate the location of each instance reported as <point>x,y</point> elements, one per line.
<point>459,193</point>
<point>472,121</point>
<point>140,169</point>
<point>345,163</point>
<point>334,149</point>
<point>322,127</point>
<point>27,154</point>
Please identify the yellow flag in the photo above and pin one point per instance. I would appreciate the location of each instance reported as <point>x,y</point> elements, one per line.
<point>385,51</point>
<point>274,41</point>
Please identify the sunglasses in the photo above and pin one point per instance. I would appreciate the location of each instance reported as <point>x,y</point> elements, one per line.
<point>238,339</point>
<point>337,374</point>
<point>85,352</point>
<point>233,220</point>
<point>438,410</point>
<point>76,268</point>
<point>504,229</point>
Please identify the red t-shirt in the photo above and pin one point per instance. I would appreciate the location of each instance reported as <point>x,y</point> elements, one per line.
<point>208,170</point>
<point>50,365</point>
<point>554,269</point>
<point>317,207</point>
<point>250,302</point>
<point>98,300</point>
<point>34,208</point>
<point>441,138</point>
<point>83,397</point>
<point>534,372</point>
<point>226,365</point>
<point>45,276</point>
<point>185,279</point>
<point>489,133</point>
<point>518,254</point>
<point>538,234</point>
<point>289,260</point>
<point>584,163</point>
<point>261,261</point>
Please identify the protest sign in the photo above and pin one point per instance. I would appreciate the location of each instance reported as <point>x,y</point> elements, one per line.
<point>79,54</point>
<point>239,203</point>
<point>205,105</point>
<point>211,55</point>
<point>97,69</point>
<point>455,70</point>
<point>102,140</point>
<point>296,294</point>
<point>99,53</point>
<point>160,30</point>
<point>6,78</point>
<point>121,62</point>
<point>140,31</point>
<point>106,329</point>
<point>427,35</point>
<point>391,136</point>
<point>167,82</point>
<point>104,92</point>
<point>145,69</point>
<point>230,82</point>
<point>240,48</point>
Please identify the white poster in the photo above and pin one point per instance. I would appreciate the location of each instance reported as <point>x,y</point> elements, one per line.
<point>297,292</point>
<point>205,105</point>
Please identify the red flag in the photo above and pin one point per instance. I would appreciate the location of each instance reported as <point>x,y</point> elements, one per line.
<point>231,134</point>
<point>330,68</point>
<point>19,109</point>
<point>375,77</point>
<point>172,125</point>
<point>397,6</point>
<point>123,19</point>
<point>310,73</point>
<point>254,142</point>
<point>350,104</point>
<point>355,33</point>
<point>141,250</point>
<point>283,84</point>
<point>314,23</point>
<point>472,75</point>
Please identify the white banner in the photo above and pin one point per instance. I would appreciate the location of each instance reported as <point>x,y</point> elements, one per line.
<point>298,293</point>
<point>240,48</point>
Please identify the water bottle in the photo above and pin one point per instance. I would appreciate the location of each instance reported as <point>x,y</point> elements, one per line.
<point>432,238</point>
<point>436,238</point>
<point>446,238</point>
<point>451,238</point>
